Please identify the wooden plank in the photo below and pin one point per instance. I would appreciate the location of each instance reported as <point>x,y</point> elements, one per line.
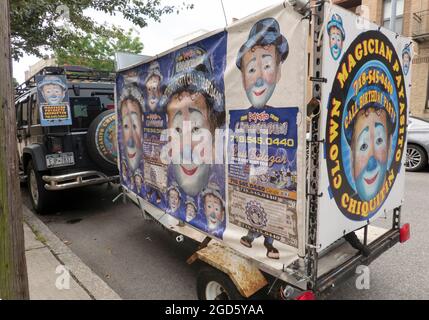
<point>13,269</point>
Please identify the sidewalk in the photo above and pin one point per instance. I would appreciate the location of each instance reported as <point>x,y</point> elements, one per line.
<point>54,271</point>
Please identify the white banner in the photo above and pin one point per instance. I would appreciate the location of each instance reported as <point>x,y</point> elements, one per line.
<point>363,123</point>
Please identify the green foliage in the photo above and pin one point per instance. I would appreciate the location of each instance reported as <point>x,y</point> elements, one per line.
<point>14,83</point>
<point>97,52</point>
<point>35,25</point>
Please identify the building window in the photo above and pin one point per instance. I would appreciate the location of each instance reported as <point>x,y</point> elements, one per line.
<point>387,11</point>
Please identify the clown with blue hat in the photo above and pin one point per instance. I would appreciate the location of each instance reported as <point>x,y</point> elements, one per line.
<point>337,35</point>
<point>259,60</point>
<point>153,83</point>
<point>193,96</point>
<point>174,198</point>
<point>138,180</point>
<point>191,209</point>
<point>369,127</point>
<point>406,59</point>
<point>214,209</point>
<point>53,89</point>
<point>193,72</point>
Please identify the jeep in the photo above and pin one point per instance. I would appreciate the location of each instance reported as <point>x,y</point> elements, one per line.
<point>54,158</point>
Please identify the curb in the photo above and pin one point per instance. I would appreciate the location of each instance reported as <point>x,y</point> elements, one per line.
<point>85,277</point>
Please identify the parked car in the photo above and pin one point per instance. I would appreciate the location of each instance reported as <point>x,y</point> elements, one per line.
<point>418,144</point>
<point>61,157</point>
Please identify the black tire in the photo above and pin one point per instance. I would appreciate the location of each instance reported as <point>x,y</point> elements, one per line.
<point>36,185</point>
<point>417,158</point>
<point>209,276</point>
<point>105,160</point>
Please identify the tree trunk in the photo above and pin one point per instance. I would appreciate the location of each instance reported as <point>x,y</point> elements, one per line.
<point>13,269</point>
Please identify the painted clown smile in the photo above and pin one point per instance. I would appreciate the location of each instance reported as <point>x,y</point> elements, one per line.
<point>213,219</point>
<point>336,52</point>
<point>189,172</point>
<point>259,93</point>
<point>372,180</point>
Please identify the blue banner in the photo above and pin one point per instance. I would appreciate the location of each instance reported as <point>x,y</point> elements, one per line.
<point>182,88</point>
<point>263,172</point>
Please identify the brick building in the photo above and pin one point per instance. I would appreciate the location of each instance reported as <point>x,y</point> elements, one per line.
<point>412,19</point>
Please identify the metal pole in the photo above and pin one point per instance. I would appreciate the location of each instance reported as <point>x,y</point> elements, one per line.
<point>393,15</point>
<point>318,13</point>
<point>224,13</point>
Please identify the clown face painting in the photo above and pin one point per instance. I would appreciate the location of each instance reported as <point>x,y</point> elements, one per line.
<point>191,212</point>
<point>335,42</point>
<point>138,179</point>
<point>131,118</point>
<point>153,92</point>
<point>336,36</point>
<point>53,90</point>
<point>53,93</point>
<point>189,108</point>
<point>214,211</point>
<point>152,85</point>
<point>370,152</point>
<point>173,200</point>
<point>193,104</point>
<point>261,73</point>
<point>406,60</point>
<point>259,60</point>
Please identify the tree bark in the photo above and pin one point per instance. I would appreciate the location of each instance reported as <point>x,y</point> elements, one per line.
<point>13,268</point>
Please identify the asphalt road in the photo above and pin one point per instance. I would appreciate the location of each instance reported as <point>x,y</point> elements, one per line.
<point>140,260</point>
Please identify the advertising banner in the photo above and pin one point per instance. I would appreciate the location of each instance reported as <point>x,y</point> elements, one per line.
<point>155,172</point>
<point>53,97</point>
<point>212,134</point>
<point>262,185</point>
<point>364,119</point>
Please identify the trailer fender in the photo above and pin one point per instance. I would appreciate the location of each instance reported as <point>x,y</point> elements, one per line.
<point>243,272</point>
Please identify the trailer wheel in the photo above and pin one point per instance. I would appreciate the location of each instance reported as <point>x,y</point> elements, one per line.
<point>213,284</point>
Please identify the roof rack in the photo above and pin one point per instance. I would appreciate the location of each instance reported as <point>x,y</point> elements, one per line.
<point>73,73</point>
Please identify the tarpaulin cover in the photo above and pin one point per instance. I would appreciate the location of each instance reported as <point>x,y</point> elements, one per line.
<point>212,134</point>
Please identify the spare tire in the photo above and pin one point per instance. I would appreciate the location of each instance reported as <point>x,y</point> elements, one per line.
<point>102,142</point>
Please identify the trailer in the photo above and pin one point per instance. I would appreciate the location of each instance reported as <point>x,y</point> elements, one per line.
<point>276,143</point>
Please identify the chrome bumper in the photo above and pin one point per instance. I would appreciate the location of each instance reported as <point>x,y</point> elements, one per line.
<point>76,180</point>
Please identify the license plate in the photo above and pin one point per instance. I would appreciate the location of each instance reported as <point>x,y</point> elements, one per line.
<point>60,160</point>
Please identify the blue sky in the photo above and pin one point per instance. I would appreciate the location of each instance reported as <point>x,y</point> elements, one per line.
<point>157,37</point>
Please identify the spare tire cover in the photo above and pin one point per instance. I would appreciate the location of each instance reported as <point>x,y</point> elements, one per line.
<point>102,142</point>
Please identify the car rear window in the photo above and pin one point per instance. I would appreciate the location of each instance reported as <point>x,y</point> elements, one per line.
<point>84,111</point>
